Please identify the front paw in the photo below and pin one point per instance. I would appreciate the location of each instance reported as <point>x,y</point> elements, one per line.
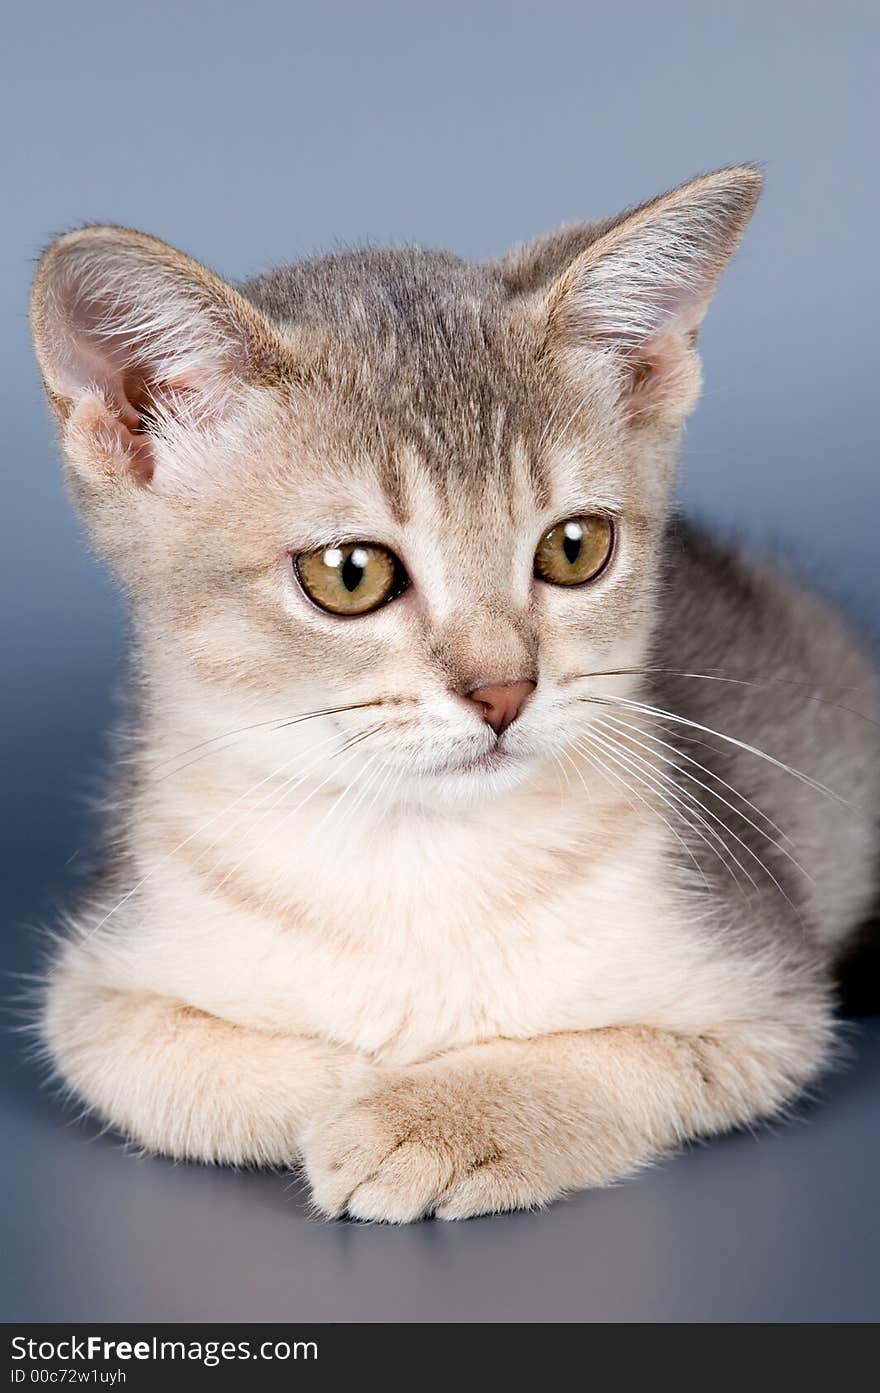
<point>421,1143</point>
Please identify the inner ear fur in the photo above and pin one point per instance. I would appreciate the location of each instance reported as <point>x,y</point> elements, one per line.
<point>640,287</point>
<point>124,320</point>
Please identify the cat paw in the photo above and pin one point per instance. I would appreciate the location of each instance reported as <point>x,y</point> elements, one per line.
<point>418,1145</point>
<point>495,1188</point>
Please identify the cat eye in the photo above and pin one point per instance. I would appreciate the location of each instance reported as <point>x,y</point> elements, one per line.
<point>575,551</point>
<point>352,579</point>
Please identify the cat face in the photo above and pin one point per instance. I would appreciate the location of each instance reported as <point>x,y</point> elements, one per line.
<point>381,485</point>
<point>236,588</point>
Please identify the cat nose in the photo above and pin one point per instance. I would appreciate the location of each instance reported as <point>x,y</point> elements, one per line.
<point>500,703</point>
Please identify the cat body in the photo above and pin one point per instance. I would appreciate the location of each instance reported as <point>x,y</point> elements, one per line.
<point>449,950</point>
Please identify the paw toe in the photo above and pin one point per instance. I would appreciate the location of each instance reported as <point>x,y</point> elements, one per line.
<point>489,1189</point>
<point>405,1187</point>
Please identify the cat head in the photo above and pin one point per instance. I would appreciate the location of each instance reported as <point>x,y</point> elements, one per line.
<point>428,491</point>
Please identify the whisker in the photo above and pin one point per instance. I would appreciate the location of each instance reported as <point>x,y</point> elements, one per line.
<point>370,785</point>
<point>338,802</point>
<point>334,805</point>
<point>676,802</point>
<point>697,803</point>
<point>370,789</point>
<point>713,792</point>
<point>290,812</point>
<point>678,806</point>
<point>558,762</point>
<point>603,699</point>
<point>717,675</point>
<point>710,773</point>
<point>276,722</point>
<point>392,777</point>
<point>164,860</point>
<point>294,780</point>
<point>292,784</point>
<point>604,772</point>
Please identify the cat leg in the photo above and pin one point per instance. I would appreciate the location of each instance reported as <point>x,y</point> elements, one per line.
<point>186,1084</point>
<point>512,1124</point>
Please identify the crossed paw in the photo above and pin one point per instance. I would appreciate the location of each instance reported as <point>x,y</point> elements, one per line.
<point>423,1142</point>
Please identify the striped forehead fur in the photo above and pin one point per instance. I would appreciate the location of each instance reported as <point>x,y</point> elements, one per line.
<point>432,352</point>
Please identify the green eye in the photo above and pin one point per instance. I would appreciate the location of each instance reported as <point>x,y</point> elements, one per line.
<point>351,579</point>
<point>575,551</point>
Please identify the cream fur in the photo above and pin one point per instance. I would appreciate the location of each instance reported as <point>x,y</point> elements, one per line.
<point>440,991</point>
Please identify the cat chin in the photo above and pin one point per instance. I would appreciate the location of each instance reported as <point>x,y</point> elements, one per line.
<point>477,783</point>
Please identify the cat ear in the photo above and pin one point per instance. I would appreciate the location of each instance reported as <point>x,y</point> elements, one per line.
<point>535,265</point>
<point>640,289</point>
<point>135,339</point>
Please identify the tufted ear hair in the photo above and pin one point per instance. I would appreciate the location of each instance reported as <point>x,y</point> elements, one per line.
<point>134,338</point>
<point>536,264</point>
<point>641,286</point>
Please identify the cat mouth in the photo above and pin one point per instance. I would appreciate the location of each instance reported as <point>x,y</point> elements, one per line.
<point>495,758</point>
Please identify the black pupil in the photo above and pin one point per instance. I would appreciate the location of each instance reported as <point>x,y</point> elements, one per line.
<point>351,573</point>
<point>572,548</point>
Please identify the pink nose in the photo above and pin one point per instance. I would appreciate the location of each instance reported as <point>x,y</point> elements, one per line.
<point>501,704</point>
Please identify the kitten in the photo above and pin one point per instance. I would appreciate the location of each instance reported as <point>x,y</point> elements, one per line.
<point>483,832</point>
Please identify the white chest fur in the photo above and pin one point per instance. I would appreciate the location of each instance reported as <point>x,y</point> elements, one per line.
<point>430,934</point>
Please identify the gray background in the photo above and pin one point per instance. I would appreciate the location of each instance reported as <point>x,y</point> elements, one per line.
<point>265,131</point>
